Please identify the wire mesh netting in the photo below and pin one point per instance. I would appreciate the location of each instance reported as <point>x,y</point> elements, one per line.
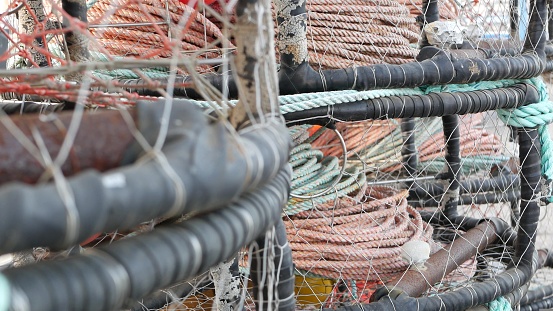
<point>151,164</point>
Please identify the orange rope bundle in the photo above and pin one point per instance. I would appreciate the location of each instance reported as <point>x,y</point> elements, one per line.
<point>356,239</point>
<point>359,32</point>
<point>363,137</point>
<point>475,140</point>
<point>357,136</point>
<point>153,40</point>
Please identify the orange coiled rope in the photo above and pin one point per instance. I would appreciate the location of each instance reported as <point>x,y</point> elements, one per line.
<point>359,32</point>
<point>152,40</point>
<point>357,136</point>
<point>357,239</point>
<point>378,143</point>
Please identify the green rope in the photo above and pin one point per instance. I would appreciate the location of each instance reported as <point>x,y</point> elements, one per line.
<point>471,164</point>
<point>500,304</point>
<point>301,102</point>
<point>5,293</point>
<point>152,73</point>
<point>345,187</point>
<point>537,115</point>
<point>475,86</point>
<point>313,172</point>
<point>90,3</point>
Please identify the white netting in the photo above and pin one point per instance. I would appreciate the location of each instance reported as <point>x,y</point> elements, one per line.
<point>357,217</point>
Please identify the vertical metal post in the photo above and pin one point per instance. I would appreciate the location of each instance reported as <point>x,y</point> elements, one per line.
<point>430,13</point>
<point>256,75</point>
<point>409,150</point>
<point>450,177</point>
<point>77,42</point>
<point>530,175</point>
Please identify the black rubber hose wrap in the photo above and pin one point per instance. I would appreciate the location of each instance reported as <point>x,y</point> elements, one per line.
<point>434,66</point>
<point>431,105</point>
<point>212,165</point>
<point>499,183</point>
<point>530,173</point>
<point>451,176</point>
<point>103,278</point>
<point>409,149</point>
<point>284,297</point>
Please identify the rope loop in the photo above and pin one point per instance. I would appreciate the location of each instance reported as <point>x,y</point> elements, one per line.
<point>537,115</point>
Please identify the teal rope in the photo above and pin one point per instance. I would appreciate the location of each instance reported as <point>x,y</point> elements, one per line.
<point>301,102</point>
<point>5,293</point>
<point>500,304</point>
<point>152,73</point>
<point>475,86</point>
<point>538,115</point>
<point>469,165</point>
<point>306,101</point>
<point>90,3</point>
<point>312,172</point>
<point>346,186</point>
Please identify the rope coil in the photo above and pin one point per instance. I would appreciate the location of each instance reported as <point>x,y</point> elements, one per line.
<point>317,179</point>
<point>356,238</point>
<point>153,40</point>
<point>359,33</point>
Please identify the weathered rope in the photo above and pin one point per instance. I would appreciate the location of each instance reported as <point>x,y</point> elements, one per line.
<point>154,41</point>
<point>538,115</point>
<point>356,238</point>
<point>359,33</point>
<point>314,172</point>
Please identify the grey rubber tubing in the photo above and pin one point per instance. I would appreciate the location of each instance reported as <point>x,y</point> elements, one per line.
<point>104,278</point>
<point>211,165</point>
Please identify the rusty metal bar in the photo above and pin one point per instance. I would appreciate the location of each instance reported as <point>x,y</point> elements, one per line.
<point>100,143</point>
<point>416,281</point>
